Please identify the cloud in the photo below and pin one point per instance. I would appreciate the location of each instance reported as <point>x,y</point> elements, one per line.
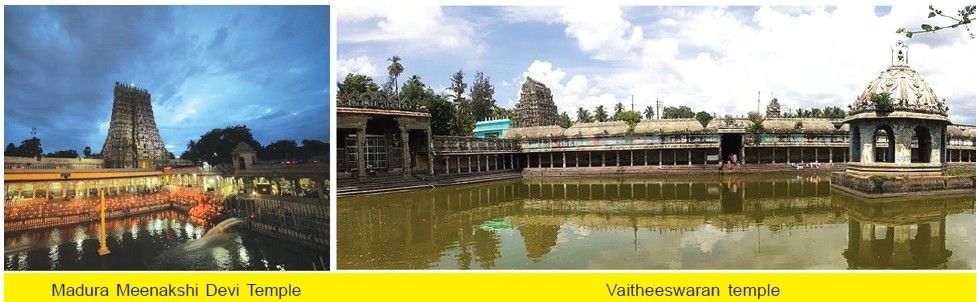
<point>204,66</point>
<point>416,27</point>
<point>716,60</point>
<point>601,30</point>
<point>356,65</point>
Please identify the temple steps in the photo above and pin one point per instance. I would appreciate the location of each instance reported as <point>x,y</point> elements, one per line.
<point>383,184</point>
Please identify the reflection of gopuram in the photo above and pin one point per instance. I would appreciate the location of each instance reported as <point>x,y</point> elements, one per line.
<point>901,234</point>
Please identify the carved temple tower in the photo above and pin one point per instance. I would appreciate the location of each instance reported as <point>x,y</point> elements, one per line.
<point>133,140</point>
<point>535,107</point>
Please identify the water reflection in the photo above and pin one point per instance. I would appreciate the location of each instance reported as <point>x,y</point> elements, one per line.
<point>727,222</point>
<point>165,240</point>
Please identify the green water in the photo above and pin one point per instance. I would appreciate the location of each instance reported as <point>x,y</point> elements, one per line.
<point>768,221</point>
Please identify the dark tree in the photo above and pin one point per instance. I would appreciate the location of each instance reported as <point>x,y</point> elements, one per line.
<point>482,97</point>
<point>458,86</point>
<point>215,146</point>
<point>11,150</point>
<point>356,85</point>
<point>442,115</point>
<point>415,92</point>
<point>63,154</point>
<point>312,148</point>
<point>677,112</point>
<point>285,149</point>
<point>88,152</point>
<point>704,118</point>
<point>30,148</point>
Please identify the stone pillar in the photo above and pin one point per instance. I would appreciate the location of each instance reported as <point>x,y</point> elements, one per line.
<point>603,159</point>
<point>564,159</point>
<point>788,155</point>
<point>360,151</point>
<point>551,159</point>
<point>405,148</point>
<point>831,155</point>
<point>659,157</point>
<point>690,156</point>
<point>447,168</point>
<point>478,163</point>
<point>773,155</point>
<point>617,157</point>
<point>645,158</point>
<point>430,150</point>
<point>458,164</point>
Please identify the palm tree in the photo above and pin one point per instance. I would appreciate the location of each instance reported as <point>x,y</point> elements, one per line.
<point>394,71</point>
<point>649,112</point>
<point>583,116</point>
<point>618,108</point>
<point>600,114</point>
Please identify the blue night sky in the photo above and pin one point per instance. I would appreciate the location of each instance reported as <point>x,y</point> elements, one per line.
<point>714,59</point>
<point>206,67</point>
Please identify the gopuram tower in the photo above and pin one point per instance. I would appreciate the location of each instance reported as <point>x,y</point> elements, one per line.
<point>535,106</point>
<point>133,140</point>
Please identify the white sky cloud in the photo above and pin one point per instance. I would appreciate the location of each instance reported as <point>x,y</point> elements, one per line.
<point>714,59</point>
<point>357,65</point>
<point>410,24</point>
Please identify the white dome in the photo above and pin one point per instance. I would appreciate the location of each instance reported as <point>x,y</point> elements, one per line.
<point>908,91</point>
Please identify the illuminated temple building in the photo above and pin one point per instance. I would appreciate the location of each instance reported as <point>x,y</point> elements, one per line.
<point>284,200</point>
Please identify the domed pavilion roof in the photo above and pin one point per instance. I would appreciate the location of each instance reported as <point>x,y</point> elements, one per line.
<point>910,95</point>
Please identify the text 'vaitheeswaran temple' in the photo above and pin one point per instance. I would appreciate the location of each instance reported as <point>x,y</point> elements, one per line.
<point>133,140</point>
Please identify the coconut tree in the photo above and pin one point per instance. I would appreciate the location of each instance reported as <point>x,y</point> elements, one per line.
<point>394,71</point>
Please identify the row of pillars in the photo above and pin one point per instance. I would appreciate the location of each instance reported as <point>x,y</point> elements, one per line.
<point>78,189</point>
<point>798,155</point>
<point>480,163</point>
<point>960,156</point>
<point>586,159</point>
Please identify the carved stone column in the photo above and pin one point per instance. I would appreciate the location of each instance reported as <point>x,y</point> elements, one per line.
<point>361,151</point>
<point>405,148</point>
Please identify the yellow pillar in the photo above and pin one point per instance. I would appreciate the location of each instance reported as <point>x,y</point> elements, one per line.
<point>103,249</point>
